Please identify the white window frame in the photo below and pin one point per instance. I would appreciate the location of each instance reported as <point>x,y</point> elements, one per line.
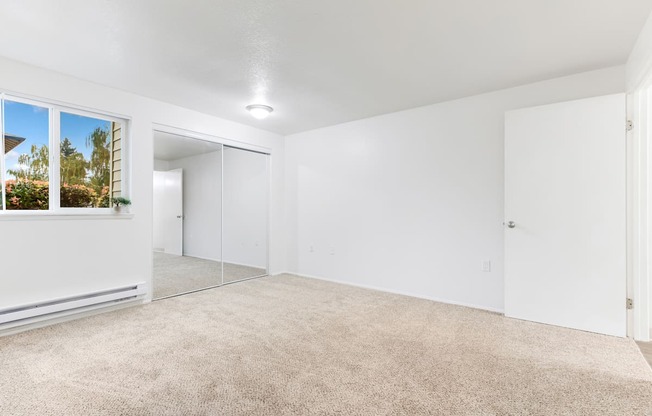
<point>54,174</point>
<point>3,197</point>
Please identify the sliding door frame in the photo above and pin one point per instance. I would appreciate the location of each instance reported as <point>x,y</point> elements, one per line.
<point>224,142</point>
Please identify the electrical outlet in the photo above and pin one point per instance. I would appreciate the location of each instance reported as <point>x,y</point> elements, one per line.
<point>486,266</point>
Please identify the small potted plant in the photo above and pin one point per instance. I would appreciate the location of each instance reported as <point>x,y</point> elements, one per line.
<point>119,203</point>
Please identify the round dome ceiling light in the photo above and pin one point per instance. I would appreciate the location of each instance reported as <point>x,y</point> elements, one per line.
<point>259,111</point>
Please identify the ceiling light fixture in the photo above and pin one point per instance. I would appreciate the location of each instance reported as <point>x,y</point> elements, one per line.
<point>259,111</point>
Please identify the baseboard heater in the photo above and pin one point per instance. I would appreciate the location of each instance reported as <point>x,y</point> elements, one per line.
<point>18,313</point>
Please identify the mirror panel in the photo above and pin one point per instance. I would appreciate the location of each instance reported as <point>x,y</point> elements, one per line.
<point>245,214</point>
<point>187,214</point>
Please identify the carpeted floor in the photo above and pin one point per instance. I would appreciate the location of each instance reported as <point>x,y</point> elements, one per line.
<point>294,346</point>
<point>180,274</point>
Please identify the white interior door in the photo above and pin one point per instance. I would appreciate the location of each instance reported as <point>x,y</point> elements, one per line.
<point>565,184</point>
<point>168,211</point>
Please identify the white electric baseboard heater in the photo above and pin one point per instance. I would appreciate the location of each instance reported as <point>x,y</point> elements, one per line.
<point>109,296</point>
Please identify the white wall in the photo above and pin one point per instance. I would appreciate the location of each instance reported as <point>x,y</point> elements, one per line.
<point>245,208</point>
<point>202,204</point>
<point>161,165</point>
<point>49,258</point>
<point>412,202</point>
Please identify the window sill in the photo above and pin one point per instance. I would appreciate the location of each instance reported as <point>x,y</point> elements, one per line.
<point>36,215</point>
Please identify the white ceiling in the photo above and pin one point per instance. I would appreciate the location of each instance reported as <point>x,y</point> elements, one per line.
<point>171,146</point>
<point>318,63</point>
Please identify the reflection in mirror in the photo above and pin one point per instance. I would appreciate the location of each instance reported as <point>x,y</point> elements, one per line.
<point>187,214</point>
<point>245,200</point>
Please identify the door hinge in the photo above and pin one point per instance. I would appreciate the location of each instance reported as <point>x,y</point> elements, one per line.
<point>630,125</point>
<point>630,303</point>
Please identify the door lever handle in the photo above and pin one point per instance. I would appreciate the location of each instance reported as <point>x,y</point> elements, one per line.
<point>510,224</point>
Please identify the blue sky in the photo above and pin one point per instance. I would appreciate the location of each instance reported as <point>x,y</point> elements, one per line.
<point>77,128</point>
<point>31,122</point>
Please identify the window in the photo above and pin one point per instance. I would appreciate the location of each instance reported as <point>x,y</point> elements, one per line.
<point>58,158</point>
<point>26,157</point>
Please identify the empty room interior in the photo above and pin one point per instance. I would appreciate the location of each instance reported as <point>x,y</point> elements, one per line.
<point>359,207</point>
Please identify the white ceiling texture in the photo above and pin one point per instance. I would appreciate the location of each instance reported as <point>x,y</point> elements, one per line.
<point>317,63</point>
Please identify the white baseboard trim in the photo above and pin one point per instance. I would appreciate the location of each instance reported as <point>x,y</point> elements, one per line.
<point>200,257</point>
<point>229,262</point>
<point>400,292</point>
<point>246,265</point>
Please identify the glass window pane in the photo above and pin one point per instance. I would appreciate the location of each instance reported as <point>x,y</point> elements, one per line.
<point>26,155</point>
<point>90,161</point>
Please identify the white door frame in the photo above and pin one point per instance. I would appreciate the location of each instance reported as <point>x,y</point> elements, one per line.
<point>639,211</point>
<point>163,128</point>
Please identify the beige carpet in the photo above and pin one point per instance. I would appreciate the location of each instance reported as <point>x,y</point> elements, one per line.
<point>181,274</point>
<point>293,346</point>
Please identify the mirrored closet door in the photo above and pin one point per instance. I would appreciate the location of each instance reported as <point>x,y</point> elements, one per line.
<point>245,195</point>
<point>187,220</point>
<point>210,214</point>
